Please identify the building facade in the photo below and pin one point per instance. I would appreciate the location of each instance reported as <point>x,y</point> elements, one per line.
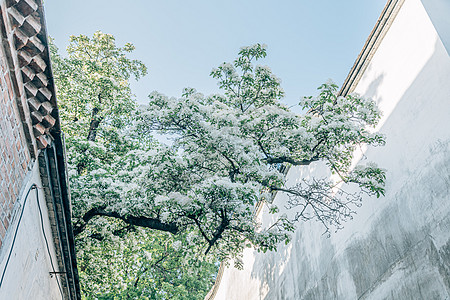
<point>397,246</point>
<point>37,257</point>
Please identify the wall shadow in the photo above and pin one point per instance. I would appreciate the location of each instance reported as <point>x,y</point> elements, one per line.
<point>405,253</point>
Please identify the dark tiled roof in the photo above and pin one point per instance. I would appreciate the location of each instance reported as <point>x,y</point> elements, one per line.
<point>27,37</point>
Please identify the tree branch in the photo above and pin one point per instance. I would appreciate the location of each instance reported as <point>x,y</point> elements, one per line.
<point>218,233</point>
<point>192,217</point>
<point>285,159</point>
<point>140,221</point>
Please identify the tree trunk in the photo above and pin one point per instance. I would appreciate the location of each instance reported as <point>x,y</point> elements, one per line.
<point>95,122</point>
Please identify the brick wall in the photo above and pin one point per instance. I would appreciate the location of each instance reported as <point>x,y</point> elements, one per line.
<point>14,155</point>
<point>29,123</point>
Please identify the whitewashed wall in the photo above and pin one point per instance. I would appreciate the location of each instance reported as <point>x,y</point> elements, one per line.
<point>27,275</point>
<point>397,247</point>
<point>439,13</point>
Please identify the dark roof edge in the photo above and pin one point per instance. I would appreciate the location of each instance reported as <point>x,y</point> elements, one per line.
<point>57,151</point>
<point>380,29</point>
<point>53,172</point>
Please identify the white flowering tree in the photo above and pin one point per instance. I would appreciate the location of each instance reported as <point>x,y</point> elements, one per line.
<point>227,155</point>
<point>116,260</point>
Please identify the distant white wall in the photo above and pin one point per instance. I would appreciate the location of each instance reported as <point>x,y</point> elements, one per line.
<point>27,275</point>
<point>398,246</point>
<point>439,12</point>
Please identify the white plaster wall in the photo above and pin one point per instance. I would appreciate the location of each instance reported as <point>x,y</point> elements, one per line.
<point>27,275</point>
<point>439,11</point>
<point>398,246</point>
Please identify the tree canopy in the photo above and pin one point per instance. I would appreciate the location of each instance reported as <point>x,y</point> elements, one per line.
<point>196,197</point>
<point>116,260</point>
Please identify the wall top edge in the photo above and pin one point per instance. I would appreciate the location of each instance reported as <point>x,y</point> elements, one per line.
<point>371,45</point>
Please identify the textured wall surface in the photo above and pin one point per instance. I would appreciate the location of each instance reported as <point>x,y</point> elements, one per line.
<point>27,275</point>
<point>14,155</point>
<point>398,246</point>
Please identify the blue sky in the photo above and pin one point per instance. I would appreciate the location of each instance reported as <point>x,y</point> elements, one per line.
<point>309,41</point>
